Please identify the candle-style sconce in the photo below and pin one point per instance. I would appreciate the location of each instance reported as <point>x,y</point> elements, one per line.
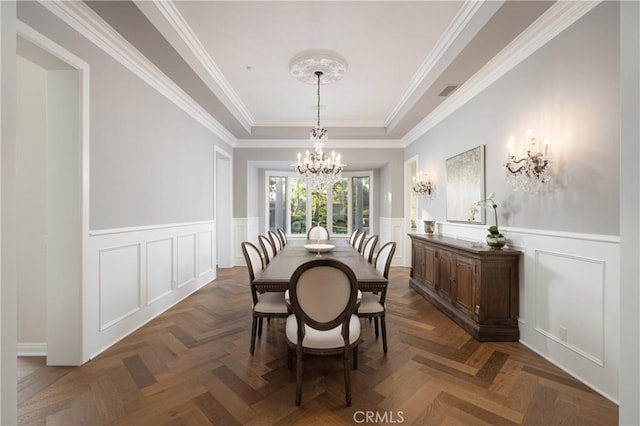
<point>423,185</point>
<point>530,170</point>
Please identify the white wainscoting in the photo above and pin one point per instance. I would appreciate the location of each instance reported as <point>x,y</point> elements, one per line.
<point>31,349</point>
<point>244,229</point>
<point>569,299</point>
<point>392,229</point>
<point>137,273</point>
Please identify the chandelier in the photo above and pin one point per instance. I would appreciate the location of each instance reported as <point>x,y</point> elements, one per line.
<point>530,171</point>
<point>423,185</point>
<point>319,170</point>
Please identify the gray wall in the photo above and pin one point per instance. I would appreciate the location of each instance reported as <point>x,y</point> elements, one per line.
<point>567,91</point>
<point>247,162</point>
<point>151,163</point>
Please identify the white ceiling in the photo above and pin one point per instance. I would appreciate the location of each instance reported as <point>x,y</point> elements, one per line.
<point>384,43</point>
<point>232,57</point>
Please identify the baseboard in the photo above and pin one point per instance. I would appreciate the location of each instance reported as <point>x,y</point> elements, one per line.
<point>32,349</point>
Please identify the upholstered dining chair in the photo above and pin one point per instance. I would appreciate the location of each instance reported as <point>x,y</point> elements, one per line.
<point>372,305</point>
<point>265,305</point>
<point>323,300</point>
<point>267,248</point>
<point>275,239</point>
<point>353,236</point>
<point>369,248</point>
<point>359,242</point>
<point>318,233</point>
<point>283,237</point>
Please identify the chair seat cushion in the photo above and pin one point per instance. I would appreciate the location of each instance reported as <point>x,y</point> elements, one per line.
<point>370,304</point>
<point>271,303</point>
<point>317,339</point>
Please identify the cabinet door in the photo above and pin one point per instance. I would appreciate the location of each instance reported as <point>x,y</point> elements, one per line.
<point>430,267</point>
<point>417,261</point>
<point>445,275</point>
<point>465,283</point>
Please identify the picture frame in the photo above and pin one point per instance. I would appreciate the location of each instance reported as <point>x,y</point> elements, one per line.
<point>465,177</point>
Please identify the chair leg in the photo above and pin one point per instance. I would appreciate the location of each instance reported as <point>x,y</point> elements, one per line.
<point>260,328</point>
<point>299,367</point>
<point>347,375</point>
<point>290,354</point>
<point>376,324</point>
<point>355,358</point>
<point>254,324</point>
<point>383,325</point>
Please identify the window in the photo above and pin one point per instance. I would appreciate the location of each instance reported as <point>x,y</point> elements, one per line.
<point>342,208</point>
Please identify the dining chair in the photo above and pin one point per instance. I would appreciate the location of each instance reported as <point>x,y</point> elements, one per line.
<point>283,237</point>
<point>318,233</point>
<point>265,305</point>
<point>267,248</point>
<point>275,239</point>
<point>323,300</point>
<point>359,242</point>
<point>354,235</point>
<point>372,305</point>
<point>369,248</point>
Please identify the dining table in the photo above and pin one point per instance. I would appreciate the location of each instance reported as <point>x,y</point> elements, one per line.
<point>277,273</point>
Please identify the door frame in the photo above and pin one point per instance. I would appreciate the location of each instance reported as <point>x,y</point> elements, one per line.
<point>221,153</point>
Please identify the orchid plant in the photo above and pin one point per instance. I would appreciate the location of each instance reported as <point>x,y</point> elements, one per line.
<point>486,203</point>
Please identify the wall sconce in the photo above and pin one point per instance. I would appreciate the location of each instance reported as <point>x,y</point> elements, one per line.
<point>529,171</point>
<point>423,185</point>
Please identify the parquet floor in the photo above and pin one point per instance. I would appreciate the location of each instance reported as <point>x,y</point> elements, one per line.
<point>191,366</point>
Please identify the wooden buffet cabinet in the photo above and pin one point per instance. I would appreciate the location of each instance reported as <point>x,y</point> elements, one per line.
<point>476,287</point>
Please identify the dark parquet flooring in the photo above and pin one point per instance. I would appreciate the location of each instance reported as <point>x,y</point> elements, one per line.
<point>191,366</point>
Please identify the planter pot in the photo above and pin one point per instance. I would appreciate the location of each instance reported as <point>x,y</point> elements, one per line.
<point>429,226</point>
<point>496,241</point>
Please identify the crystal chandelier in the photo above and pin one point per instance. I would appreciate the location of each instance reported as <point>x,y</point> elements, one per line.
<point>319,170</point>
<point>530,171</point>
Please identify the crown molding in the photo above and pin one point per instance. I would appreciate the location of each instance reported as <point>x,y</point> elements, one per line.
<point>325,123</point>
<point>451,33</point>
<point>86,22</point>
<point>331,144</point>
<point>223,89</point>
<point>551,23</point>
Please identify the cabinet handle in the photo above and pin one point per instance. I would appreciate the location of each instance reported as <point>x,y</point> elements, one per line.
<point>477,310</point>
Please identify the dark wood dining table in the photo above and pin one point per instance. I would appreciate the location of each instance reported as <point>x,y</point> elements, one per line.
<point>277,274</point>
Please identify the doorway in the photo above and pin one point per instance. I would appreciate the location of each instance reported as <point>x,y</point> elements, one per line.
<point>51,201</point>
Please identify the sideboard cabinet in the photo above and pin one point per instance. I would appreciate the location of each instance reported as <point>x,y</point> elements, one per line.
<point>476,287</point>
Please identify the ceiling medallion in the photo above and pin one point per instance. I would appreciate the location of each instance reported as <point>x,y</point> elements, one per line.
<point>304,66</point>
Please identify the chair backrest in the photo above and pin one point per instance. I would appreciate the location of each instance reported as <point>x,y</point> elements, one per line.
<point>267,248</point>
<point>275,239</point>
<point>283,237</point>
<point>384,257</point>
<point>253,258</point>
<point>359,242</point>
<point>354,235</point>
<point>323,295</point>
<point>369,247</point>
<point>318,233</point>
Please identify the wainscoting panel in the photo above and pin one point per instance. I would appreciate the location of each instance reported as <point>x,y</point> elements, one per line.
<point>186,259</point>
<point>159,269</point>
<point>570,302</point>
<point>119,283</point>
<point>393,229</point>
<point>205,253</point>
<point>244,229</point>
<point>134,274</point>
<point>569,299</point>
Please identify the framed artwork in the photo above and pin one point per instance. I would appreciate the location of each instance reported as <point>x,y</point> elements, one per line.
<point>465,185</point>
